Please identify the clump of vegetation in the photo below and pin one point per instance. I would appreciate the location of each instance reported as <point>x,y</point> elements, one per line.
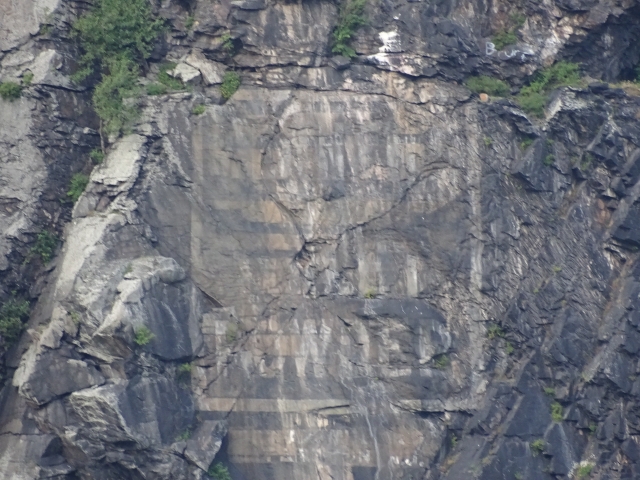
<point>494,331</point>
<point>231,334</point>
<point>549,160</point>
<point>537,446</point>
<point>219,472</point>
<point>167,80</point>
<point>156,89</point>
<point>526,143</point>
<point>115,36</point>
<point>13,314</point>
<point>550,391</point>
<point>77,185</point>
<point>533,97</point>
<point>350,18</point>
<point>198,110</point>
<point>370,294</point>
<point>441,361</point>
<point>508,37</point>
<point>508,348</point>
<point>227,43</point>
<point>111,95</point>
<point>96,155</point>
<point>27,78</point>
<point>504,38</point>
<point>556,412</point>
<point>188,24</point>
<point>46,243</point>
<point>454,441</point>
<point>184,436</point>
<point>230,84</point>
<point>584,470</point>
<point>143,336</point>
<point>10,91</point>
<point>586,161</point>
<point>488,142</point>
<point>489,85</point>
<point>184,372</point>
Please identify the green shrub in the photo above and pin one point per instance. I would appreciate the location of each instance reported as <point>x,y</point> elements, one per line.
<point>550,391</point>
<point>230,84</point>
<point>556,412</point>
<point>533,97</point>
<point>143,336</point>
<point>537,446</point>
<point>184,436</point>
<point>167,80</point>
<point>27,78</point>
<point>109,96</point>
<point>97,156</point>
<point>485,84</point>
<point>46,243</point>
<point>350,18</point>
<point>518,19</point>
<point>115,28</point>
<point>584,470</point>
<point>219,472</point>
<point>198,110</point>
<point>78,183</point>
<point>13,313</point>
<point>504,38</point>
<point>10,91</point>
<point>156,89</point>
<point>115,36</point>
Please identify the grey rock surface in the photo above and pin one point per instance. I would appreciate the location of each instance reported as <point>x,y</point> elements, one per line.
<point>349,270</point>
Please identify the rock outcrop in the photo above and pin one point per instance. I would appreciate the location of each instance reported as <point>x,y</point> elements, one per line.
<point>351,269</point>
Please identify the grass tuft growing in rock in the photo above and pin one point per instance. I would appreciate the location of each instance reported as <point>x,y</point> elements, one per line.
<point>27,78</point>
<point>230,84</point>
<point>10,91</point>
<point>156,89</point>
<point>441,361</point>
<point>584,470</point>
<point>556,412</point>
<point>167,80</point>
<point>489,85</point>
<point>78,183</point>
<point>537,447</point>
<point>13,313</point>
<point>350,18</point>
<point>198,110</point>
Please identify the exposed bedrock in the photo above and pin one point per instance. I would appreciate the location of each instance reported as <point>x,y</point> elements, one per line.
<point>350,270</point>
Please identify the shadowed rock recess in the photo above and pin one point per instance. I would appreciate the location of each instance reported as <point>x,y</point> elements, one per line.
<point>352,269</point>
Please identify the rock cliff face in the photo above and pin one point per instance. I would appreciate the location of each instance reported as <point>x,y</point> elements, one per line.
<point>350,270</point>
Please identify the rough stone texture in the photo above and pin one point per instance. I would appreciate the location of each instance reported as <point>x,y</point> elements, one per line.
<point>350,270</point>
